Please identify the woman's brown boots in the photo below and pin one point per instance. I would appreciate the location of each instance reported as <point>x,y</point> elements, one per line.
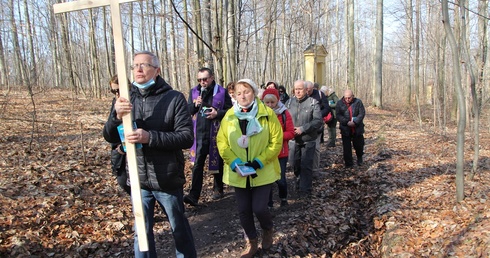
<point>267,238</point>
<point>252,247</point>
<point>252,244</point>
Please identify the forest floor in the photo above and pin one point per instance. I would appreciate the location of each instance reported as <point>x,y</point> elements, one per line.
<point>58,197</point>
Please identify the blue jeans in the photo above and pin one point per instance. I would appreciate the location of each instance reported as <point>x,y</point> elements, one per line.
<point>173,206</point>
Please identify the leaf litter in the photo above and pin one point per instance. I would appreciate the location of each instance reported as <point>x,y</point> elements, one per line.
<point>400,203</point>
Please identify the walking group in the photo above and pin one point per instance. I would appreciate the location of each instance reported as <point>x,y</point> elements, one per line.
<point>245,134</point>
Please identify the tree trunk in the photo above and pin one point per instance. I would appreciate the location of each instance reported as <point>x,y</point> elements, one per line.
<point>173,53</point>
<point>475,108</point>
<point>15,44</point>
<point>164,51</point>
<point>186,51</point>
<point>67,52</point>
<point>131,28</point>
<point>32,76</point>
<point>207,26</point>
<point>3,68</point>
<point>230,46</point>
<point>378,57</point>
<point>352,47</point>
<point>198,44</point>
<point>54,45</point>
<point>409,54</point>
<point>482,60</point>
<point>441,81</point>
<point>217,20</point>
<point>461,103</point>
<point>96,88</point>
<point>416,68</point>
<point>108,51</point>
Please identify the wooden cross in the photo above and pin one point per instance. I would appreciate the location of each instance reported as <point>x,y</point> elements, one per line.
<point>123,85</point>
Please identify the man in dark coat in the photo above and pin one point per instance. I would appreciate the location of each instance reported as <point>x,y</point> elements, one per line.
<point>207,104</point>
<point>164,128</point>
<point>324,109</point>
<point>350,114</point>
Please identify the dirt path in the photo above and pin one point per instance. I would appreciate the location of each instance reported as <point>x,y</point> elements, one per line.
<point>59,199</point>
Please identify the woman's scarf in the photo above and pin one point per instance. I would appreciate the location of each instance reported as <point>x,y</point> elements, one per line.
<point>253,126</point>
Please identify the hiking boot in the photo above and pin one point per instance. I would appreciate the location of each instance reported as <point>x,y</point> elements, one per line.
<point>267,238</point>
<point>190,200</point>
<point>251,249</point>
<point>218,195</point>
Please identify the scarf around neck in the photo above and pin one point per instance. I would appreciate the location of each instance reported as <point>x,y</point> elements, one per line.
<point>253,126</point>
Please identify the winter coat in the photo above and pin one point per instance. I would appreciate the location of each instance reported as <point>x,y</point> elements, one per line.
<point>263,147</point>
<point>118,160</point>
<point>203,125</point>
<point>344,116</point>
<point>324,107</point>
<point>284,97</point>
<point>332,102</point>
<point>163,113</point>
<point>306,115</point>
<point>288,132</point>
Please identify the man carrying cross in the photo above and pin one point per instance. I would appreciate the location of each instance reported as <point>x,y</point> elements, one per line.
<point>164,128</point>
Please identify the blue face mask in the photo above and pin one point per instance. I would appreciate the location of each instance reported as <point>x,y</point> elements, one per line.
<point>145,85</point>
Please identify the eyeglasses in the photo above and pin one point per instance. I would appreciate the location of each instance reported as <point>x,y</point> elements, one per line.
<point>202,79</point>
<point>349,97</point>
<point>144,66</point>
<point>115,91</point>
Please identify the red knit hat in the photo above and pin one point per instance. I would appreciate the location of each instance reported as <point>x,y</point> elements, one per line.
<point>271,91</point>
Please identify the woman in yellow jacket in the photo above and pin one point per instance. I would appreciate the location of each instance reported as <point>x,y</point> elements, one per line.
<point>250,134</point>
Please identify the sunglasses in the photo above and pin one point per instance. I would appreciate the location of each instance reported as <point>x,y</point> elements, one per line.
<point>115,91</point>
<point>202,79</point>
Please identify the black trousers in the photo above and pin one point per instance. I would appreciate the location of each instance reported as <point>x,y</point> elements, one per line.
<point>202,152</point>
<point>352,140</point>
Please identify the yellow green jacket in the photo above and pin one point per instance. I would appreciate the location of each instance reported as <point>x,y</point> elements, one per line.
<point>263,147</point>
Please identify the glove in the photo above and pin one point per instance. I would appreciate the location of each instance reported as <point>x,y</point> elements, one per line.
<point>253,164</point>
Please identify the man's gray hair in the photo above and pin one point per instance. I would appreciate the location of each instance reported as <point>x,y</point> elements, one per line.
<point>154,59</point>
<point>302,83</point>
<point>309,84</point>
